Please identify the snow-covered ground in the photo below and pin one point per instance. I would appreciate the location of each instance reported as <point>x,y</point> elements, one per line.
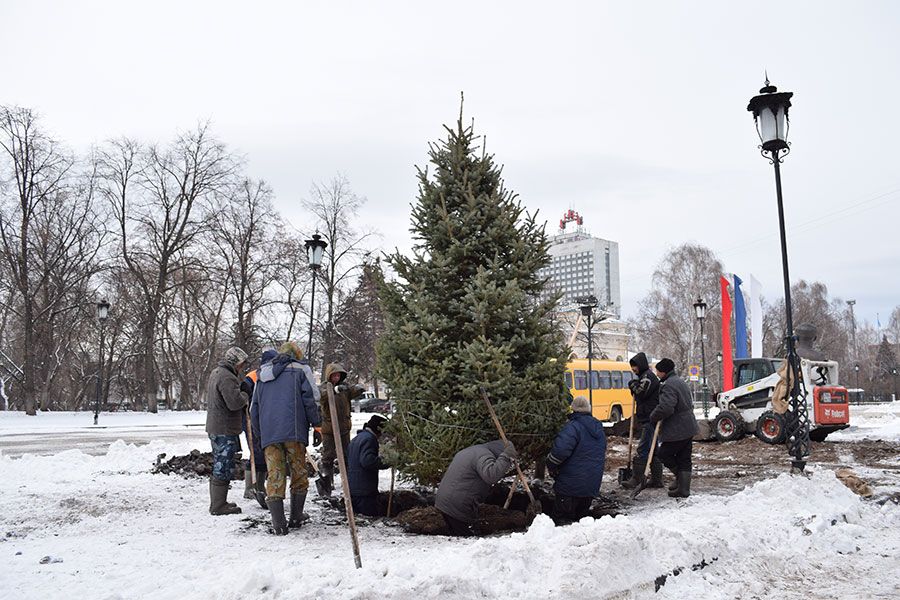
<point>119,531</point>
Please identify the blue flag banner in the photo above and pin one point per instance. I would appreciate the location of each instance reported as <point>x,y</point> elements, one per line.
<point>740,320</point>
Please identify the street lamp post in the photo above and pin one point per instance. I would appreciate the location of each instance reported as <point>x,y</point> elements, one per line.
<point>588,304</point>
<point>700,311</point>
<point>894,374</point>
<point>315,250</point>
<point>721,372</point>
<point>858,394</point>
<point>102,315</point>
<point>770,114</point>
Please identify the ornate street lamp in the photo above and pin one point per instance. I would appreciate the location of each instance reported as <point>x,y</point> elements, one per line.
<point>587,306</point>
<point>770,113</point>
<point>700,311</point>
<point>315,250</point>
<point>102,315</point>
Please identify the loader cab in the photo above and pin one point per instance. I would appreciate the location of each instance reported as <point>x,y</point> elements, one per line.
<point>748,370</point>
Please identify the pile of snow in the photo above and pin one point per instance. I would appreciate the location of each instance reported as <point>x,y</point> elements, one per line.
<point>871,422</point>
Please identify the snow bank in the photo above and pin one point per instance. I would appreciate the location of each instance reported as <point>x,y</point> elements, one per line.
<point>871,422</point>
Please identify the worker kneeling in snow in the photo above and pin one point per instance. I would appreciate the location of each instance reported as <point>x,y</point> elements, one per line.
<point>679,426</point>
<point>468,482</point>
<point>363,464</point>
<point>576,463</point>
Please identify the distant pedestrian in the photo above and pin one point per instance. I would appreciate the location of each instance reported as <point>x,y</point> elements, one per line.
<point>679,426</point>
<point>576,463</point>
<point>282,412</point>
<point>225,404</point>
<point>363,464</point>
<point>645,391</point>
<point>468,481</point>
<point>335,374</point>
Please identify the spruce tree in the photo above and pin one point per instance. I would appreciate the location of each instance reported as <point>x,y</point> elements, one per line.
<point>465,311</point>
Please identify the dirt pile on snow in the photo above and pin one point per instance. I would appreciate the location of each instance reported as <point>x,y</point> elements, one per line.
<point>193,464</point>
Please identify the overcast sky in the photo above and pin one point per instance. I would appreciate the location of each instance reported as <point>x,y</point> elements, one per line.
<point>635,116</point>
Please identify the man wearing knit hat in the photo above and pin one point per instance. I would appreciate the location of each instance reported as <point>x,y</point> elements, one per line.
<point>679,426</point>
<point>645,391</point>
<point>225,404</point>
<point>363,464</point>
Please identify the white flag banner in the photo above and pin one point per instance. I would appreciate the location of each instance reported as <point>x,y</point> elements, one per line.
<point>756,318</point>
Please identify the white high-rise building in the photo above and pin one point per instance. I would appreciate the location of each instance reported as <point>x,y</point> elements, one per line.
<point>582,265</point>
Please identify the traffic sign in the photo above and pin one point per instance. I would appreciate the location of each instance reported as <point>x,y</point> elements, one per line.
<point>694,373</point>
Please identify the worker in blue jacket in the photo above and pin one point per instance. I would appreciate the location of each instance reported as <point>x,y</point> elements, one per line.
<point>576,463</point>
<point>363,464</point>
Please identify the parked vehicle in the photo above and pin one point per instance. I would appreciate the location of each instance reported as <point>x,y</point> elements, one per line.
<point>609,393</point>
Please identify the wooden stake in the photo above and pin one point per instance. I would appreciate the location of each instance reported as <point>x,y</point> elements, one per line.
<point>345,484</point>
<point>250,441</point>
<point>391,495</point>
<point>499,427</point>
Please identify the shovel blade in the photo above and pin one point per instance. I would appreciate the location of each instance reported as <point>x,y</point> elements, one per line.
<point>625,474</point>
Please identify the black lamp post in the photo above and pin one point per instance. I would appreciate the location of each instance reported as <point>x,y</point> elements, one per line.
<point>894,374</point>
<point>770,113</point>
<point>721,372</point>
<point>315,250</point>
<point>588,304</point>
<point>102,315</point>
<point>700,311</point>
<point>858,393</point>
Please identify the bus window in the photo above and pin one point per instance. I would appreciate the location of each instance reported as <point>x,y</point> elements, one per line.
<point>601,380</point>
<point>568,380</point>
<point>617,380</point>
<point>580,380</point>
<point>626,377</point>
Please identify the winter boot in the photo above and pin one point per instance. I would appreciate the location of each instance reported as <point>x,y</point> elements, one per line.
<point>298,517</point>
<point>656,474</point>
<point>248,484</point>
<point>276,507</point>
<point>683,479</point>
<point>637,474</point>
<point>218,499</point>
<point>674,486</point>
<point>260,491</point>
<point>325,485</point>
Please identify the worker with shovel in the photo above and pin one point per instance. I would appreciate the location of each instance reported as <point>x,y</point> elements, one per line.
<point>645,391</point>
<point>576,463</point>
<point>678,426</point>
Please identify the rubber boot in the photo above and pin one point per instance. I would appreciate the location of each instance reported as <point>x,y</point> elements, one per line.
<point>637,474</point>
<point>298,517</point>
<point>325,485</point>
<point>260,492</point>
<point>248,484</point>
<point>279,524</point>
<point>218,499</point>
<point>674,486</point>
<point>656,474</point>
<point>683,478</point>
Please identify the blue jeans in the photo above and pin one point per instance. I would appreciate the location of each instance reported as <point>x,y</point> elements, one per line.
<point>643,447</point>
<point>224,447</point>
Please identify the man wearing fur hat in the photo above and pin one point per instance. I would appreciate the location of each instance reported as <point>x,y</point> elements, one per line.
<point>225,404</point>
<point>335,374</point>
<point>679,426</point>
<point>363,464</point>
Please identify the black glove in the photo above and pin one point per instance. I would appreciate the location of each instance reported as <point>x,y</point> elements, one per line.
<point>340,388</point>
<point>510,450</point>
<point>633,383</point>
<point>553,470</point>
<point>247,387</point>
<point>317,437</point>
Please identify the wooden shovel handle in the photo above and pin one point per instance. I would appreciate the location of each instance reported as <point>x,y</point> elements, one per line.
<point>499,427</point>
<point>652,449</point>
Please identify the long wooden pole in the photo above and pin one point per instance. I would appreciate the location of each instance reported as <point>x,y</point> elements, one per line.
<point>345,483</point>
<point>250,441</point>
<point>499,427</point>
<point>391,495</point>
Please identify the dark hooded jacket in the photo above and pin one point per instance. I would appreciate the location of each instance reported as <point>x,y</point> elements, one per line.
<point>283,407</point>
<point>469,478</point>
<point>579,453</point>
<point>225,401</point>
<point>343,394</point>
<point>645,388</point>
<point>363,463</point>
<point>675,410</point>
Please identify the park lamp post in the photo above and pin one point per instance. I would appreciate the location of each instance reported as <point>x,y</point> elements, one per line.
<point>770,114</point>
<point>700,311</point>
<point>858,393</point>
<point>315,250</point>
<point>102,315</point>
<point>721,372</point>
<point>894,375</point>
<point>587,306</point>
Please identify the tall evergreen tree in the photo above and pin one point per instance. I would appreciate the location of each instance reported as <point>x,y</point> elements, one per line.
<point>466,311</point>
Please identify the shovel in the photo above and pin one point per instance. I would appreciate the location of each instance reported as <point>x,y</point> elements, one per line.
<point>638,489</point>
<point>625,472</point>
<point>534,506</point>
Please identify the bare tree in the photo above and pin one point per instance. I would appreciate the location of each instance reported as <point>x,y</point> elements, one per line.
<point>361,324</point>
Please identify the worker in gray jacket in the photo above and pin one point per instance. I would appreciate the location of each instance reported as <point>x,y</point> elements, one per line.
<point>679,426</point>
<point>468,482</point>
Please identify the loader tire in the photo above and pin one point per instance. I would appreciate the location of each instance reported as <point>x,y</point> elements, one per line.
<point>728,426</point>
<point>770,428</point>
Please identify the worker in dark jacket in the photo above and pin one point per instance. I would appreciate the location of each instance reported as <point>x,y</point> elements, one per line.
<point>645,391</point>
<point>335,375</point>
<point>363,464</point>
<point>576,462</point>
<point>679,426</point>
<point>468,482</point>
<point>225,404</point>
<point>282,411</point>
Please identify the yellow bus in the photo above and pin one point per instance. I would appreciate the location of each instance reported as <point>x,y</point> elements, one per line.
<point>610,396</point>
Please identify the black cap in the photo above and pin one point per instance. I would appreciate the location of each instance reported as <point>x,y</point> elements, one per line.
<point>666,365</point>
<point>375,423</point>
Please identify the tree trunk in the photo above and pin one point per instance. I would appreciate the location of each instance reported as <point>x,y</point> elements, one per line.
<point>28,370</point>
